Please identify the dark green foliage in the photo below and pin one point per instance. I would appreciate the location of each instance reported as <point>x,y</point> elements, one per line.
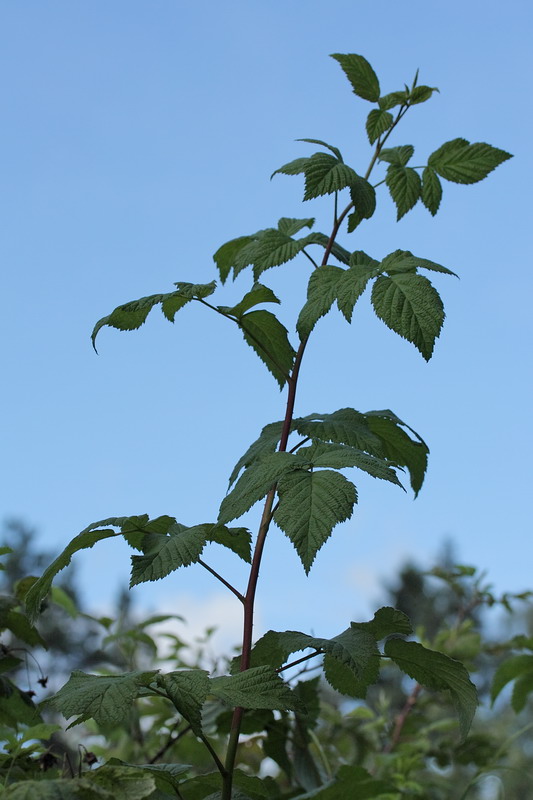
<point>296,464</point>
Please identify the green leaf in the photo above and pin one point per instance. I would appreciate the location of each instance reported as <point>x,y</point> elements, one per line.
<point>268,337</point>
<point>188,690</point>
<point>345,426</point>
<point>20,626</point>
<point>325,174</point>
<point>119,782</point>
<point>237,539</point>
<point>340,253</point>
<point>266,443</point>
<point>257,294</point>
<point>258,687</point>
<point>420,94</point>
<point>225,256</point>
<point>295,167</point>
<point>311,504</point>
<point>351,782</point>
<point>438,672</point>
<point>386,621</point>
<point>354,281</point>
<point>164,553</point>
<point>398,156</point>
<point>353,684</point>
<point>362,77</point>
<point>130,316</point>
<point>335,150</point>
<point>84,540</point>
<point>167,776</point>
<point>254,484</point>
<point>275,247</point>
<point>55,789</point>
<point>363,196</point>
<point>404,186</point>
<point>405,261</point>
<point>393,99</point>
<point>321,294</point>
<point>378,121</point>
<point>517,668</point>
<point>462,162</point>
<point>339,456</point>
<point>408,304</point>
<point>431,190</point>
<point>290,226</point>
<point>105,698</point>
<point>398,447</point>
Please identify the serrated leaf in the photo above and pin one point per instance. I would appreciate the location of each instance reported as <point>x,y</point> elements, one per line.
<point>295,167</point>
<point>362,77</point>
<point>55,789</point>
<point>22,628</point>
<point>132,315</point>
<point>237,539</point>
<point>164,553</point>
<point>268,337</point>
<point>254,484</point>
<point>409,305</point>
<point>517,668</point>
<point>84,540</point>
<point>404,186</point>
<point>397,446</point>
<point>345,426</point>
<point>167,776</point>
<point>378,121</point>
<point>351,782</point>
<point>321,294</point>
<point>462,162</point>
<point>420,94</point>
<point>363,196</point>
<point>290,226</point>
<point>275,247</point>
<point>352,284</point>
<point>257,294</point>
<point>311,504</point>
<point>438,672</point>
<point>265,443</point>
<point>405,261</point>
<point>258,687</point>
<point>431,190</point>
<point>335,150</point>
<point>340,253</point>
<point>386,621</point>
<point>119,782</point>
<point>393,99</point>
<point>325,174</point>
<point>344,680</point>
<point>340,456</point>
<point>398,156</point>
<point>225,256</point>
<point>105,698</point>
<point>188,690</point>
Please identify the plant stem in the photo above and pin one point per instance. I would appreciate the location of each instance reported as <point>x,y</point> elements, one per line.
<point>300,660</point>
<point>222,580</point>
<point>402,718</point>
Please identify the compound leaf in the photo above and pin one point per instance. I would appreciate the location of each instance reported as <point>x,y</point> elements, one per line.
<point>311,504</point>
<point>386,622</point>
<point>408,304</point>
<point>345,426</point>
<point>462,162</point>
<point>340,456</point>
<point>398,156</point>
<point>257,294</point>
<point>237,539</point>
<point>325,174</point>
<point>362,77</point>
<point>398,447</point>
<point>420,94</point>
<point>437,671</point>
<point>225,256</point>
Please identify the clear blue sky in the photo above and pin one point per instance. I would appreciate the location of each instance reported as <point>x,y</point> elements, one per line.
<point>136,138</point>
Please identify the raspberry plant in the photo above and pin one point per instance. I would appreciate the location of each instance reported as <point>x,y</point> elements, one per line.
<point>295,469</point>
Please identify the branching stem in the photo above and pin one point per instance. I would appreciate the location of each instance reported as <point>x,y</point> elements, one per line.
<point>222,580</point>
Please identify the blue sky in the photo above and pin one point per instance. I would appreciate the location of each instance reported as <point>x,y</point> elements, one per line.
<point>137,137</point>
